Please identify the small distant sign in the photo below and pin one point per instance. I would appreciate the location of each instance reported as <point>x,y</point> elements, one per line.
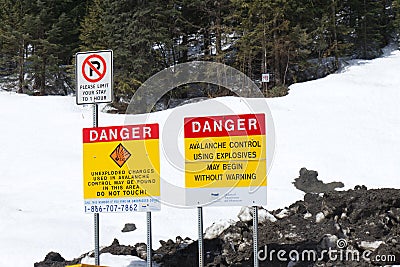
<point>265,77</point>
<point>94,77</point>
<point>121,168</point>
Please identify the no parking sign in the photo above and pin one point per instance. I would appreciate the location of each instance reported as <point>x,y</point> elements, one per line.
<point>94,77</point>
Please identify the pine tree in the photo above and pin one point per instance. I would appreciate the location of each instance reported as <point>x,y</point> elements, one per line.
<point>51,31</point>
<point>395,18</point>
<point>92,34</point>
<point>271,38</point>
<point>371,21</point>
<point>12,40</point>
<point>40,37</point>
<point>133,30</point>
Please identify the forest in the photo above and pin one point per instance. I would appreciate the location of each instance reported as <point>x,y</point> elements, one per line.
<point>292,40</point>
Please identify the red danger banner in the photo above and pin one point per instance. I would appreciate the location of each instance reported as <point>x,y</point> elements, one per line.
<point>120,133</point>
<point>231,125</point>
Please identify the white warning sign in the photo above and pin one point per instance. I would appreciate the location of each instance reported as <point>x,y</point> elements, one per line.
<point>94,77</point>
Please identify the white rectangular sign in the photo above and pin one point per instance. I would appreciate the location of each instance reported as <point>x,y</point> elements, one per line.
<point>265,77</point>
<point>94,77</point>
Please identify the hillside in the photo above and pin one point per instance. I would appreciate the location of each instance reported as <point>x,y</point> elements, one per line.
<point>346,126</point>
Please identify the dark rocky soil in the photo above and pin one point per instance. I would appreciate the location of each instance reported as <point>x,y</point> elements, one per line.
<point>344,224</point>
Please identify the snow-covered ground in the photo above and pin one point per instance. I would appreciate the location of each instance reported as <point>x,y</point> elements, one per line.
<point>346,126</point>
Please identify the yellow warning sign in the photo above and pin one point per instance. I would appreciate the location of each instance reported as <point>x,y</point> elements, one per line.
<point>121,168</point>
<point>225,160</point>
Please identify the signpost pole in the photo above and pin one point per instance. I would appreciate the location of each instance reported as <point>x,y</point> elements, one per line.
<point>265,88</point>
<point>96,239</point>
<point>149,240</point>
<point>200,242</point>
<point>255,235</point>
<point>96,215</point>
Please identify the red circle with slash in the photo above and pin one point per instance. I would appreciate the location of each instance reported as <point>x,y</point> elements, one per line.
<point>93,68</point>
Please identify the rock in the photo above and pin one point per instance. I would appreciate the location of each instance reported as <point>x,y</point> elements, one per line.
<point>307,215</point>
<point>308,183</point>
<point>319,217</point>
<point>264,215</point>
<point>174,254</point>
<point>217,228</point>
<point>117,249</point>
<point>362,219</point>
<point>178,239</point>
<point>327,242</point>
<point>282,214</point>
<point>129,227</point>
<point>370,245</point>
<point>141,250</point>
<point>54,256</point>
<point>54,259</point>
<point>245,214</point>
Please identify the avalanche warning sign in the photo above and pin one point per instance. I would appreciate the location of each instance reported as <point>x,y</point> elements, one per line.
<point>121,168</point>
<point>94,77</point>
<point>225,160</point>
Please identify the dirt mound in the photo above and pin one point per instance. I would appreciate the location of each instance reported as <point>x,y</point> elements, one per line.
<point>357,227</point>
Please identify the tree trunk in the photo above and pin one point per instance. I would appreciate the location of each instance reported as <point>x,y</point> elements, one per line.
<point>21,54</point>
<point>277,62</point>
<point>43,78</point>
<point>184,48</point>
<point>335,40</point>
<point>365,31</point>
<point>218,34</point>
<point>207,43</point>
<point>264,58</point>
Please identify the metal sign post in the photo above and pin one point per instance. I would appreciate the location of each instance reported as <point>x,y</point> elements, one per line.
<point>255,235</point>
<point>96,215</point>
<point>96,240</point>
<point>149,240</point>
<point>200,242</point>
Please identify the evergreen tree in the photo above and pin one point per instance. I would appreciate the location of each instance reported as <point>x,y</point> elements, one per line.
<point>395,18</point>
<point>92,32</point>
<point>39,38</point>
<point>12,40</point>
<point>370,23</point>
<point>138,32</point>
